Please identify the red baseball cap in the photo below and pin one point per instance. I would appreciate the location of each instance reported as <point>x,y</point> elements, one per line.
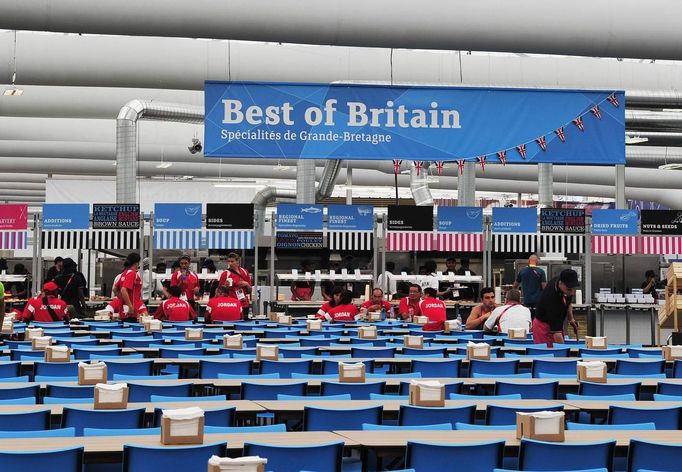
<point>50,287</point>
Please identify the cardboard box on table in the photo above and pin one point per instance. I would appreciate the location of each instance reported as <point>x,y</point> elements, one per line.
<point>111,396</point>
<point>672,352</point>
<point>268,352</point>
<point>182,426</point>
<point>234,341</point>
<point>57,354</point>
<point>367,332</point>
<point>92,374</point>
<point>237,464</point>
<point>415,342</point>
<point>596,342</point>
<point>427,393</point>
<point>541,426</point>
<point>592,371</point>
<point>313,325</point>
<point>479,351</point>
<point>352,372</point>
<point>39,343</point>
<point>517,333</point>
<point>194,334</point>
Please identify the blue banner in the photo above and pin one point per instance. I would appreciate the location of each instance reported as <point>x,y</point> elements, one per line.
<point>177,216</point>
<point>299,216</point>
<point>615,221</point>
<point>350,217</point>
<point>319,121</point>
<point>460,219</point>
<point>66,216</point>
<point>515,220</point>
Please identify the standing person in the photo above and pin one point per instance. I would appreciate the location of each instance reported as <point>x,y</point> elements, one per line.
<point>377,303</point>
<point>238,281</point>
<point>480,313</point>
<point>54,271</point>
<point>208,287</point>
<point>554,308</point>
<point>116,284</point>
<point>445,289</point>
<point>409,306</point>
<point>147,281</point>
<point>223,307</point>
<point>303,289</point>
<point>649,285</point>
<point>187,280</point>
<point>130,287</point>
<point>327,287</point>
<point>433,309</point>
<point>533,281</point>
<point>510,315</point>
<point>387,278</point>
<point>20,289</point>
<point>46,307</point>
<point>159,289</point>
<point>469,290</point>
<point>175,308</point>
<point>72,285</point>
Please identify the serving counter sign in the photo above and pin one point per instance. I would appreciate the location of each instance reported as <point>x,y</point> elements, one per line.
<point>115,216</point>
<point>460,219</point>
<point>661,221</point>
<point>515,220</point>
<point>350,217</point>
<point>299,240</point>
<point>558,220</point>
<point>410,218</point>
<point>229,216</point>
<point>177,215</point>
<point>66,216</point>
<point>615,221</point>
<point>292,216</point>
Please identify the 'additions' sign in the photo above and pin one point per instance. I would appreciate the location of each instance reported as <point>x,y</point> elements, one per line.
<point>557,220</point>
<point>229,215</point>
<point>66,216</point>
<point>116,216</point>
<point>515,220</point>
<point>661,221</point>
<point>410,218</point>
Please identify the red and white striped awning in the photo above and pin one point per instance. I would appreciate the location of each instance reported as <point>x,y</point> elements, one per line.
<point>409,241</point>
<point>613,244</point>
<point>459,242</point>
<point>660,245</point>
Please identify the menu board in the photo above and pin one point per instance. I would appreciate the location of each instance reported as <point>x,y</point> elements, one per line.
<point>299,240</point>
<point>116,216</point>
<point>229,216</point>
<point>562,220</point>
<point>410,218</point>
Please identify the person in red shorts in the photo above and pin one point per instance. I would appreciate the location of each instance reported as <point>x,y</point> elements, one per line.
<point>238,281</point>
<point>222,307</point>
<point>114,306</point>
<point>130,288</point>
<point>187,280</point>
<point>409,306</point>
<point>46,307</point>
<point>554,308</point>
<point>433,309</point>
<point>175,308</point>
<point>377,303</point>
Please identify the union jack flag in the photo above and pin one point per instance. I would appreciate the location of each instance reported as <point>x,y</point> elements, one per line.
<point>418,166</point>
<point>460,164</point>
<point>502,156</point>
<point>396,166</point>
<point>481,160</point>
<point>614,101</point>
<point>560,132</point>
<point>596,111</point>
<point>579,123</point>
<point>522,150</point>
<point>439,167</point>
<point>542,142</point>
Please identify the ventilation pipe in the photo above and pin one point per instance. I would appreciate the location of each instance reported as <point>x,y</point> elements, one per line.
<point>466,185</point>
<point>419,186</point>
<point>265,196</point>
<point>328,180</point>
<point>126,138</point>
<point>305,181</point>
<point>545,185</point>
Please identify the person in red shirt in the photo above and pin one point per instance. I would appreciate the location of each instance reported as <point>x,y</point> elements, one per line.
<point>114,306</point>
<point>47,307</point>
<point>335,300</point>
<point>433,309</point>
<point>238,282</point>
<point>175,308</point>
<point>344,311</point>
<point>303,290</point>
<point>187,280</point>
<point>130,287</point>
<point>377,303</point>
<point>409,306</point>
<point>222,307</point>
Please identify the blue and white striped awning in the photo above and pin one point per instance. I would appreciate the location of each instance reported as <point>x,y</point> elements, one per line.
<point>177,239</point>
<point>229,239</point>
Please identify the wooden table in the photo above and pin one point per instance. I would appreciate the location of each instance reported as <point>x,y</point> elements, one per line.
<point>242,406</point>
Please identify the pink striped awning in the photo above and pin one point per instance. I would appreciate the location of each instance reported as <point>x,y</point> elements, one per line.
<point>459,242</point>
<point>661,245</point>
<point>409,241</point>
<point>615,244</point>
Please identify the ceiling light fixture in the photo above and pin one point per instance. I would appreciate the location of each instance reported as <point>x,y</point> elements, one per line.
<point>164,165</point>
<point>635,140</point>
<point>13,92</point>
<point>670,167</point>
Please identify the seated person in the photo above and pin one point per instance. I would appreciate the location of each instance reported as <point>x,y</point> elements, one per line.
<point>223,307</point>
<point>409,306</point>
<point>480,313</point>
<point>377,304</point>
<point>46,307</point>
<point>433,309</point>
<point>114,306</point>
<point>175,308</point>
<point>340,308</point>
<point>510,315</point>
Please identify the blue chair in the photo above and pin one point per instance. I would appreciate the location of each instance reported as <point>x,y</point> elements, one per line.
<point>538,455</point>
<point>664,418</point>
<point>494,368</point>
<point>325,419</point>
<point>677,370</point>
<point>174,353</point>
<point>611,427</point>
<point>296,352</point>
<point>121,432</point>
<point>141,458</point>
<point>32,421</point>
<point>511,396</point>
<point>9,369</point>
<point>145,377</point>
<point>253,376</point>
<point>285,368</point>
<point>129,368</point>
<point>427,427</point>
<point>208,398</point>
<point>143,392</point>
<point>525,375</point>
<point>414,352</point>
<point>437,368</point>
<point>497,414</point>
<point>644,353</point>
<point>70,391</point>
<point>57,460</point>
<point>298,458</point>
<point>478,457</point>
<point>554,351</point>
<point>255,391</point>
<point>417,415</point>
<point>268,428</point>
<point>622,397</point>
<point>47,433</point>
<point>669,389</point>
<point>54,378</point>
<point>381,396</point>
<point>19,392</point>
<point>345,396</point>
<point>583,351</point>
<point>115,419</point>
<point>645,455</point>
<point>554,367</point>
<point>56,369</point>
<point>595,389</point>
<point>372,352</point>
<point>357,391</point>
<point>485,427</point>
<point>332,366</point>
<point>135,343</point>
<point>536,391</point>
<point>84,354</point>
<point>210,369</point>
<point>450,388</point>
<point>219,417</point>
<point>19,401</point>
<point>66,401</point>
<point>640,367</point>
